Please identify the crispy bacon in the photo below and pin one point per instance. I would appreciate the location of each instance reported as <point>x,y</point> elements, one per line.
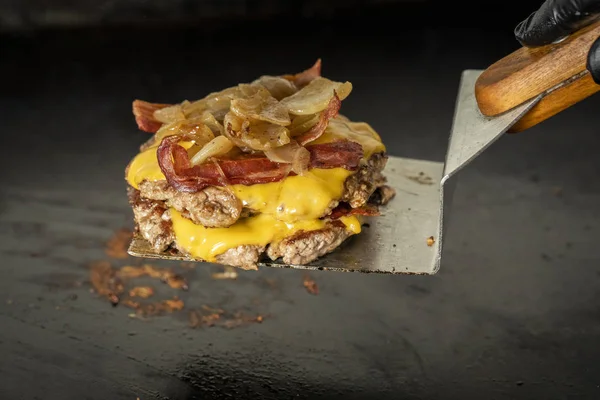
<point>305,77</point>
<point>144,115</point>
<point>317,130</point>
<point>344,209</point>
<point>175,164</point>
<point>342,153</point>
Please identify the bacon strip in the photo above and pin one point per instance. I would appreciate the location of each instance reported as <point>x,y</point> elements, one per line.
<point>342,153</point>
<point>305,77</point>
<point>344,209</point>
<point>317,130</point>
<point>144,115</point>
<point>175,164</point>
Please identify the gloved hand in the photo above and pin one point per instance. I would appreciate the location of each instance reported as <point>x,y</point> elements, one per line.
<point>557,19</point>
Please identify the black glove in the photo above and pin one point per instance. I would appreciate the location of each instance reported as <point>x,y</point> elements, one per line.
<point>557,19</point>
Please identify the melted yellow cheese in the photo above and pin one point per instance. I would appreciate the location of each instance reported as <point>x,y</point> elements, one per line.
<point>144,166</point>
<point>259,230</point>
<point>296,197</point>
<point>359,132</point>
<point>353,223</point>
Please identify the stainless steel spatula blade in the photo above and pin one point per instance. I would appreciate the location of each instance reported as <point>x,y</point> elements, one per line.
<point>407,237</point>
<point>471,134</point>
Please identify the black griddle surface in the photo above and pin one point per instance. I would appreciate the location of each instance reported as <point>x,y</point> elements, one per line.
<point>513,313</point>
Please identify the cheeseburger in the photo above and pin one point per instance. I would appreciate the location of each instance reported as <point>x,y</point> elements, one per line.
<point>267,169</point>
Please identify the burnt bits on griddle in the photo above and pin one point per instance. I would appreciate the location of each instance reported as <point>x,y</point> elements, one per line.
<point>116,285</point>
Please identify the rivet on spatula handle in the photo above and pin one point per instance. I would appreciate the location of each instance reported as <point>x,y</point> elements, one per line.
<point>558,71</point>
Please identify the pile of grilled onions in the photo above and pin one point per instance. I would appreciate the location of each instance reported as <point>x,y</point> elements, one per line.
<point>254,132</point>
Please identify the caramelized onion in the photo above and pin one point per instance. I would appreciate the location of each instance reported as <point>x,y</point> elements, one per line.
<point>219,146</point>
<point>209,120</point>
<point>315,96</point>
<point>351,129</point>
<point>317,130</point>
<point>291,153</point>
<point>249,90</point>
<point>234,126</point>
<point>301,161</point>
<point>194,109</point>
<point>194,128</point>
<point>217,103</point>
<point>302,123</point>
<point>167,130</point>
<point>264,136</point>
<point>251,135</point>
<point>261,107</point>
<point>278,87</point>
<point>169,114</point>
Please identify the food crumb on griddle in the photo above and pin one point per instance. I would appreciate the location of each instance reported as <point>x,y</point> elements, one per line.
<point>110,282</point>
<point>156,308</point>
<point>208,317</point>
<point>227,273</point>
<point>141,291</point>
<point>174,304</point>
<point>176,282</point>
<point>105,281</point>
<point>118,285</point>
<point>430,241</point>
<point>117,245</point>
<point>421,179</point>
<point>167,276</point>
<point>239,319</point>
<point>310,285</point>
<point>197,319</point>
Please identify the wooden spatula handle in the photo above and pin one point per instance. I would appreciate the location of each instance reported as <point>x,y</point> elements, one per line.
<point>558,70</point>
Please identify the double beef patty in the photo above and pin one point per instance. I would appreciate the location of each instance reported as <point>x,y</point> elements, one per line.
<point>217,207</point>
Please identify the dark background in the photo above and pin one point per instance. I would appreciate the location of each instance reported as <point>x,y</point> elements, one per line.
<point>512,314</point>
<point>35,14</point>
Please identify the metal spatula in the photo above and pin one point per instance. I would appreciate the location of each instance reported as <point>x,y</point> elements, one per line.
<point>514,94</point>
